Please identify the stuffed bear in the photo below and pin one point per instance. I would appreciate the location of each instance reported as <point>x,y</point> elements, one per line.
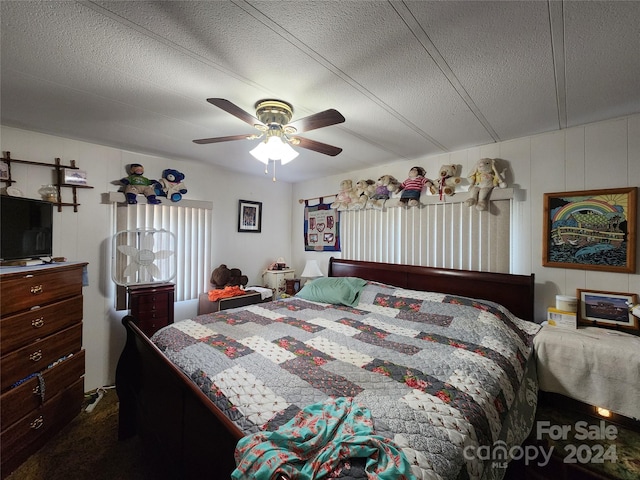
<point>386,186</point>
<point>483,179</point>
<point>136,183</point>
<point>346,196</point>
<point>447,181</point>
<point>237,278</point>
<point>365,189</point>
<point>171,185</point>
<point>413,186</point>
<point>222,277</point>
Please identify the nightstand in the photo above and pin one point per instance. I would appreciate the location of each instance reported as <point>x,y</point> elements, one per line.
<point>152,306</point>
<point>276,280</point>
<point>594,365</point>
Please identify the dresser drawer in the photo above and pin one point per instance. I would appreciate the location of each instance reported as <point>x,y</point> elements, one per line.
<point>39,322</point>
<point>39,287</point>
<point>39,355</point>
<point>19,401</point>
<point>28,434</point>
<point>152,311</point>
<point>147,300</point>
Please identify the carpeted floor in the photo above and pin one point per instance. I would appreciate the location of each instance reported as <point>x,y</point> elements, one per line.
<point>88,448</point>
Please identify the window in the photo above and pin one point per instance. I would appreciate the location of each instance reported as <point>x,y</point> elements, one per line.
<point>448,235</point>
<point>190,223</point>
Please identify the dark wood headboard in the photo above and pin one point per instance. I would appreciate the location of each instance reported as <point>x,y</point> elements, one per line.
<point>516,292</point>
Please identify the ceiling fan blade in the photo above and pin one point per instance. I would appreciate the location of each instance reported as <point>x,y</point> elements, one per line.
<point>234,110</point>
<point>204,141</point>
<point>317,120</point>
<point>317,146</point>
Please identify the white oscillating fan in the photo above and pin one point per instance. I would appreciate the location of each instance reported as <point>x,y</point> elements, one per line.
<point>143,256</point>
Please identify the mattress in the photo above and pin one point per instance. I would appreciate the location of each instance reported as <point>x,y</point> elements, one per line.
<point>440,375</point>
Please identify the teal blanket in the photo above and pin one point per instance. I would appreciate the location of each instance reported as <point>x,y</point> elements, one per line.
<point>315,441</point>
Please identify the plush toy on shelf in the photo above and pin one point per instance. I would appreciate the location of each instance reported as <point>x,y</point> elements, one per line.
<point>136,184</point>
<point>171,185</point>
<point>413,186</point>
<point>365,190</point>
<point>447,180</point>
<point>346,196</point>
<point>386,186</point>
<point>483,179</point>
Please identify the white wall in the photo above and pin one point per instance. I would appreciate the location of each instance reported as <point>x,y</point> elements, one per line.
<point>595,156</point>
<point>86,235</point>
<point>602,155</point>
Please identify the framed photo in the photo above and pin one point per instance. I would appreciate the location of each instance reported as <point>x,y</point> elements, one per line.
<point>74,176</point>
<point>4,171</point>
<point>607,309</point>
<point>591,230</point>
<point>249,216</point>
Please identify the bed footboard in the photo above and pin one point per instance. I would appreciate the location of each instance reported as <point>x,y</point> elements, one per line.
<point>179,427</point>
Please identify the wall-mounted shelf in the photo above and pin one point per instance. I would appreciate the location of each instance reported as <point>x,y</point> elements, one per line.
<point>59,184</point>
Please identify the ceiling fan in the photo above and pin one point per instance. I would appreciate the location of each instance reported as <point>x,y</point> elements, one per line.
<point>272,120</point>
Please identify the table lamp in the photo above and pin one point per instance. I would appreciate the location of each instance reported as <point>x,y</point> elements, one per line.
<point>311,270</point>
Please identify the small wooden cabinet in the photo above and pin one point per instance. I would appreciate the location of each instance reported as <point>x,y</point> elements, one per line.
<point>152,306</point>
<point>42,360</point>
<point>276,280</point>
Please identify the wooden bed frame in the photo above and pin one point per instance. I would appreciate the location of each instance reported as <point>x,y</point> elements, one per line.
<point>183,431</point>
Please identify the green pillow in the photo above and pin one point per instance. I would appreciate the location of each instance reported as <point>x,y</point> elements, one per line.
<point>334,290</point>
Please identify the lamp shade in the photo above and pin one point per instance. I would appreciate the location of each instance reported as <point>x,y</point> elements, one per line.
<point>273,148</point>
<point>311,270</point>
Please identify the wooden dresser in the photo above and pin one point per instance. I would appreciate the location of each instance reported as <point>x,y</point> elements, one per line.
<point>152,306</point>
<point>42,360</point>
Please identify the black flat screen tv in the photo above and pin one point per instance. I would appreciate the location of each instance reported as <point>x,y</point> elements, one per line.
<point>26,227</point>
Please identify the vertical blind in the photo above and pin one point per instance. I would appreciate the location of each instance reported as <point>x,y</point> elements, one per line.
<point>448,235</point>
<point>190,223</point>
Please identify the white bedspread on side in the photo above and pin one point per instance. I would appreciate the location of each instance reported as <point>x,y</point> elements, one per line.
<point>594,365</point>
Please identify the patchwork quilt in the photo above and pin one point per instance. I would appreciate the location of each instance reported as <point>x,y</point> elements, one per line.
<point>441,375</point>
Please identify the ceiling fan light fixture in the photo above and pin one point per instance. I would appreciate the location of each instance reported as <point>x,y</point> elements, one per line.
<point>287,154</point>
<point>261,152</point>
<point>274,148</point>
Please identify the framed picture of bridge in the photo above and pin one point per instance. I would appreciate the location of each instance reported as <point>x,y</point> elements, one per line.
<point>607,309</point>
<point>591,230</point>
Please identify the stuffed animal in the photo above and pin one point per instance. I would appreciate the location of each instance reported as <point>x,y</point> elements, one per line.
<point>483,179</point>
<point>136,183</point>
<point>346,196</point>
<point>223,276</point>
<point>386,186</point>
<point>447,181</point>
<point>413,186</point>
<point>171,185</point>
<point>365,189</point>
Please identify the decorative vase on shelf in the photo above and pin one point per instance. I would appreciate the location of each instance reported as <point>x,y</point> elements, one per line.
<point>49,193</point>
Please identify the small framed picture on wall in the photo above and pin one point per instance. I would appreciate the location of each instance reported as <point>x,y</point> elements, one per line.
<point>249,216</point>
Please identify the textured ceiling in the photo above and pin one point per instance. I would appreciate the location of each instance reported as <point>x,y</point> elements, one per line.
<point>412,78</point>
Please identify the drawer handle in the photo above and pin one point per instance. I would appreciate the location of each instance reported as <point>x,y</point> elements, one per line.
<point>37,322</point>
<point>37,423</point>
<point>36,289</point>
<point>36,356</point>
